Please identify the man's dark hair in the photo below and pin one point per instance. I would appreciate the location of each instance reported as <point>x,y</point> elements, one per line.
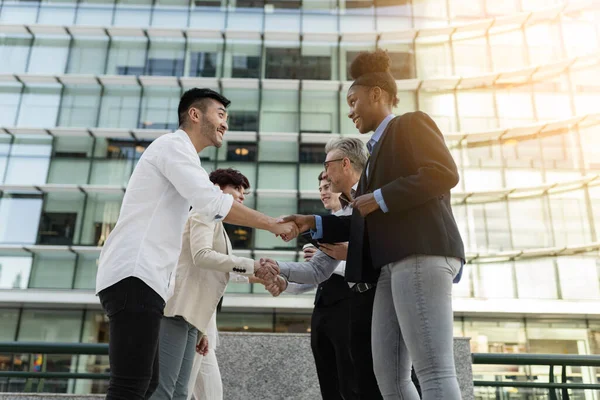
<point>196,95</point>
<point>229,176</point>
<point>321,176</point>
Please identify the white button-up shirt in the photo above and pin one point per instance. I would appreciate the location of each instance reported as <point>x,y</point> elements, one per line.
<point>146,241</point>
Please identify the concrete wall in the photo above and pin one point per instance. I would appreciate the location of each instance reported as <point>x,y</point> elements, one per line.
<point>276,367</point>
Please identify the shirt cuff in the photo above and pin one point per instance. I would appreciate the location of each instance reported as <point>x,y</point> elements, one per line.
<point>318,233</point>
<point>380,201</point>
<point>225,207</point>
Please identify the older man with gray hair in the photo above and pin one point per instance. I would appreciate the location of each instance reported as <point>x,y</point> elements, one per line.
<point>344,164</point>
<point>346,321</point>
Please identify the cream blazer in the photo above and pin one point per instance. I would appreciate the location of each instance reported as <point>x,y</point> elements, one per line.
<point>203,270</point>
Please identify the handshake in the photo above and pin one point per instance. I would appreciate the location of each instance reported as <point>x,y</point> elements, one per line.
<point>266,272</point>
<point>288,228</point>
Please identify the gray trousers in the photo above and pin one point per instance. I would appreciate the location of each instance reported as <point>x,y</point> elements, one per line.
<point>413,324</point>
<point>177,347</point>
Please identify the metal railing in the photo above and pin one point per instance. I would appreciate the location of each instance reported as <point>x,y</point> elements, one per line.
<point>550,360</point>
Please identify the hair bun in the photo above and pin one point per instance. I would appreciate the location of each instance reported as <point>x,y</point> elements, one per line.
<point>368,62</point>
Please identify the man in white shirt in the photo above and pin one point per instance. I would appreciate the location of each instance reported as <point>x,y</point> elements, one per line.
<point>141,252</point>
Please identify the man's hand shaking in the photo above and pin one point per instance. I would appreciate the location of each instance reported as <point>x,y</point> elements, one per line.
<point>266,270</point>
<point>301,222</point>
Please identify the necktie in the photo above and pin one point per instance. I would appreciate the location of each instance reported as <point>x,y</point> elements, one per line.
<point>370,145</point>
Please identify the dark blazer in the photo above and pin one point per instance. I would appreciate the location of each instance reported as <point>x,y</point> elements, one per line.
<point>332,291</point>
<point>415,172</point>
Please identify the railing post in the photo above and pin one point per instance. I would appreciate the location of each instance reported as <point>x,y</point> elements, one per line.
<point>565,391</point>
<point>551,391</point>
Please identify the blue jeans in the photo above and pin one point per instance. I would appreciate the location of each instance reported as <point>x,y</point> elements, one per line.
<point>177,348</point>
<point>413,323</point>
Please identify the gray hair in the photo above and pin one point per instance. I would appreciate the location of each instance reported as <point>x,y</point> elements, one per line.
<point>353,148</point>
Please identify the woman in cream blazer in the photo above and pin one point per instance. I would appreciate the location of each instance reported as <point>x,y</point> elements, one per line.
<point>201,276</point>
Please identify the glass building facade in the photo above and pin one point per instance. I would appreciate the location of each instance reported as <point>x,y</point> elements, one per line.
<point>86,85</point>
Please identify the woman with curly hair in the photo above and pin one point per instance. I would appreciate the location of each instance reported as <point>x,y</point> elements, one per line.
<point>402,237</point>
<point>205,267</point>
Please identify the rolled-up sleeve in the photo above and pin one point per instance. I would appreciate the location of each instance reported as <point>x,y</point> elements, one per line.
<point>178,163</point>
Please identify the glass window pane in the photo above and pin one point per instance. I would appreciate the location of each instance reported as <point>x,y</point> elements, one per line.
<point>97,13</point>
<point>529,222</point>
<point>8,328</point>
<point>19,13</point>
<point>29,160</point>
<point>309,175</point>
<point>120,106</point>
<point>320,15</point>
<point>242,59</point>
<point>165,57</point>
<point>132,15</point>
<point>282,19</point>
<point>494,280</point>
<point>319,112</point>
<point>85,273</point>
<point>246,16</point>
<point>277,176</point>
<point>49,55</point>
<point>169,16</point>
<point>495,336</point>
<point>127,56</point>
<point>102,211</point>
<point>471,57</point>
<point>278,151</point>
<point>159,108</point>
<point>10,95</point>
<point>579,278</point>
<point>279,111</point>
<point>357,16</point>
<point>508,50</point>
<point>80,105</point>
<point>283,61</point>
<point>50,326</point>
<point>207,14</point>
<point>60,223</point>
<point>441,52</point>
<point>319,61</point>
<point>441,108</point>
<point>56,13</point>
<point>88,55</point>
<point>515,107</point>
<point>14,51</point>
<point>393,15</point>
<point>20,215</point>
<point>536,279</point>
<point>52,271</point>
<point>14,274</point>
<point>44,101</point>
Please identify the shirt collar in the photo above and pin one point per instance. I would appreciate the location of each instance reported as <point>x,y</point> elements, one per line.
<point>344,200</point>
<point>381,128</point>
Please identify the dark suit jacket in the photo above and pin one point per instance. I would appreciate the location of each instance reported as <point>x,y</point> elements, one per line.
<point>332,291</point>
<point>415,172</point>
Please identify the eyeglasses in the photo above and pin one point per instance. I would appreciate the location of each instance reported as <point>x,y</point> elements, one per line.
<point>326,163</point>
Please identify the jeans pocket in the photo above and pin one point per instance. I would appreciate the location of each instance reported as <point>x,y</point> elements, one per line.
<point>113,303</point>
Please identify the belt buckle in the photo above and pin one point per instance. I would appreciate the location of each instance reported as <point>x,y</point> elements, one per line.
<point>362,287</point>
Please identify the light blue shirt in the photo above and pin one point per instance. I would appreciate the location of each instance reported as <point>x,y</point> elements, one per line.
<point>371,145</point>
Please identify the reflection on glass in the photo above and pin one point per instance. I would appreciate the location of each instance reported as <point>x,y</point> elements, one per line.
<point>20,215</point>
<point>14,274</point>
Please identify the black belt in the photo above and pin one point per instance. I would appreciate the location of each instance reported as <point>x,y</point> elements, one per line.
<point>362,287</point>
